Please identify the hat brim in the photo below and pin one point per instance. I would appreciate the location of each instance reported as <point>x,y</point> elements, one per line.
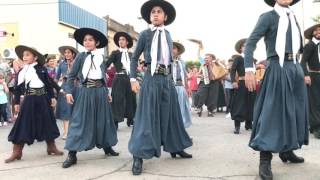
<point>239,44</point>
<point>21,48</point>
<point>166,6</point>
<point>308,34</point>
<point>180,47</point>
<point>125,35</point>
<point>79,35</point>
<point>273,2</point>
<point>62,49</point>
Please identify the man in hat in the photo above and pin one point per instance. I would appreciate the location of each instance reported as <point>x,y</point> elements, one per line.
<point>91,123</point>
<point>208,87</point>
<point>179,75</point>
<point>311,67</point>
<point>280,120</point>
<point>242,99</point>
<point>123,98</point>
<point>158,119</point>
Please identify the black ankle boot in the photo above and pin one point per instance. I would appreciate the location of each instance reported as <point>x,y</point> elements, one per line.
<point>210,113</point>
<point>117,125</point>
<point>265,166</point>
<point>248,126</point>
<point>129,122</point>
<point>71,159</point>
<point>137,166</point>
<point>199,112</point>
<point>110,152</point>
<point>182,154</point>
<point>236,130</point>
<point>291,157</point>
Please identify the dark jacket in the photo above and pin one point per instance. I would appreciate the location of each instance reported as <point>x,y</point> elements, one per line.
<point>144,46</point>
<point>43,76</point>
<point>310,57</point>
<point>76,72</point>
<point>267,27</point>
<point>115,58</point>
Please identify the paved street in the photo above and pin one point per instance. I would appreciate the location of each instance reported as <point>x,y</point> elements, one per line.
<point>218,154</point>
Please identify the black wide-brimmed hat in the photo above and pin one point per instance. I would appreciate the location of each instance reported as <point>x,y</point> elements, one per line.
<point>21,48</point>
<point>239,44</point>
<point>273,2</point>
<point>62,49</point>
<point>180,47</point>
<point>125,35</point>
<point>79,35</point>
<point>165,5</point>
<point>309,32</point>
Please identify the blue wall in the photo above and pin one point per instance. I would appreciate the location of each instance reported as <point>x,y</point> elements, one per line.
<point>78,17</point>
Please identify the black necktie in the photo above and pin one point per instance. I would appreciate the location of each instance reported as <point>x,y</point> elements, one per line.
<point>92,62</point>
<point>288,48</point>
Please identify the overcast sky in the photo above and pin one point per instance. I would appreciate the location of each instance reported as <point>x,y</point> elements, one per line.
<point>218,23</point>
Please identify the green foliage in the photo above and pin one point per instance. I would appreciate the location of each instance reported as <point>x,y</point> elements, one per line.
<point>191,64</point>
<point>316,19</point>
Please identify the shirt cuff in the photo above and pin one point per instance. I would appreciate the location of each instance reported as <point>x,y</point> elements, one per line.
<point>133,79</point>
<point>251,69</point>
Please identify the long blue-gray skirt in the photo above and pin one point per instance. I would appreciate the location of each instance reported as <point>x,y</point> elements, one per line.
<point>281,110</point>
<point>91,124</point>
<point>158,119</point>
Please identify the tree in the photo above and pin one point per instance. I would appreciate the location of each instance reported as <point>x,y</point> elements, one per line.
<point>316,19</point>
<point>191,64</point>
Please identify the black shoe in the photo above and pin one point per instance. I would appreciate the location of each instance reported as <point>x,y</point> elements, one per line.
<point>117,125</point>
<point>290,156</point>
<point>248,126</point>
<point>265,170</point>
<point>129,122</point>
<point>110,152</point>
<point>236,130</point>
<point>182,154</point>
<point>199,111</point>
<point>137,166</point>
<point>316,134</point>
<point>210,114</point>
<point>71,159</point>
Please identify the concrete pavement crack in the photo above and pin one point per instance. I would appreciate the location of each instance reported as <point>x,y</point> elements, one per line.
<point>112,172</point>
<point>198,177</point>
<point>47,164</point>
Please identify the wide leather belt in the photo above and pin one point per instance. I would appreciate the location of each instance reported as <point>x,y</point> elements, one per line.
<point>35,92</point>
<point>160,69</point>
<point>93,83</point>
<point>291,57</point>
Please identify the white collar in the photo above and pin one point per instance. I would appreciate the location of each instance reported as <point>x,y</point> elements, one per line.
<point>33,64</point>
<point>123,49</point>
<point>316,41</point>
<point>279,8</point>
<point>94,52</point>
<point>153,27</point>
